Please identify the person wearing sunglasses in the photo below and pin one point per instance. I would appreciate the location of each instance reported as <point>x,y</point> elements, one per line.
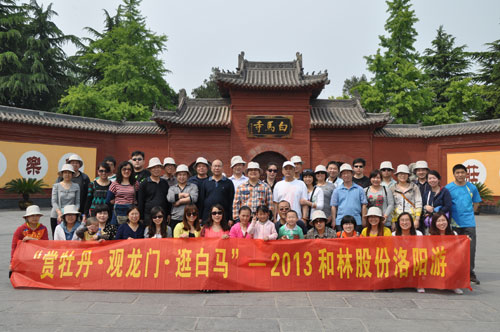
<point>190,225</point>
<point>271,173</point>
<point>158,229</point>
<point>98,189</point>
<point>216,225</point>
<point>387,170</point>
<point>358,176</point>
<point>138,161</point>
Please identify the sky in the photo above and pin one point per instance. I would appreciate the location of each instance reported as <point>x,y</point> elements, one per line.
<point>332,35</point>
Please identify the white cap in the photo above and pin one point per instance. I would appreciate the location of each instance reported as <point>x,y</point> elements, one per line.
<point>374,211</point>
<point>237,160</point>
<point>75,157</point>
<point>386,164</point>
<point>67,167</point>
<point>296,159</point>
<point>70,209</point>
<point>403,169</point>
<point>169,161</point>
<point>182,168</point>
<point>318,214</point>
<point>201,160</point>
<point>421,164</point>
<point>320,168</point>
<point>345,167</point>
<point>253,165</point>
<point>33,210</point>
<point>288,163</point>
<point>155,161</point>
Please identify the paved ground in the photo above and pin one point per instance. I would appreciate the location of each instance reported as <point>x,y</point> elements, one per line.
<point>406,310</point>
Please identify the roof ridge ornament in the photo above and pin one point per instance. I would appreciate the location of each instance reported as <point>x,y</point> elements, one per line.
<point>182,97</point>
<point>241,61</point>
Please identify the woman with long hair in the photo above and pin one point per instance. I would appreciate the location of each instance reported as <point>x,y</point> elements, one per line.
<point>98,189</point>
<point>380,196</point>
<point>122,192</point>
<point>216,225</point>
<point>158,225</point>
<point>190,225</point>
<point>375,225</point>
<point>404,226</point>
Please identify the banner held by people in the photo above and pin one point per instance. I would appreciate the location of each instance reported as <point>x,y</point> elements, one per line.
<point>440,262</point>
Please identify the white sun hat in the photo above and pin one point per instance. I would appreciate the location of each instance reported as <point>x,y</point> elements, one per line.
<point>421,164</point>
<point>237,160</point>
<point>296,159</point>
<point>345,167</point>
<point>386,164</point>
<point>182,168</point>
<point>320,168</point>
<point>403,169</point>
<point>201,160</point>
<point>66,167</point>
<point>33,210</point>
<point>169,161</point>
<point>155,161</point>
<point>288,163</point>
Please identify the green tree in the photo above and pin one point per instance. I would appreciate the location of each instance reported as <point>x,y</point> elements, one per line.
<point>209,88</point>
<point>124,75</point>
<point>13,22</point>
<point>42,70</point>
<point>489,76</point>
<point>445,65</point>
<point>350,86</point>
<point>398,84</point>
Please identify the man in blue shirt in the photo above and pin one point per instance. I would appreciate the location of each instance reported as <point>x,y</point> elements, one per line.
<point>348,199</point>
<point>465,198</point>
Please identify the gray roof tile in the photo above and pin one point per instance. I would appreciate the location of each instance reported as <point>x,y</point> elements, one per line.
<point>271,75</point>
<point>418,131</point>
<point>49,119</point>
<point>326,113</point>
<point>198,113</point>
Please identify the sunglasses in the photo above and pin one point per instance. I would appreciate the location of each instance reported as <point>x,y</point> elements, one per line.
<point>386,170</point>
<point>126,169</point>
<point>214,213</point>
<point>158,217</point>
<point>102,171</point>
<point>284,209</point>
<point>272,170</point>
<point>359,166</point>
<point>137,159</point>
<point>191,214</point>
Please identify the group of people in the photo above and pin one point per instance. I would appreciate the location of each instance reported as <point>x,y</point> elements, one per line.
<point>334,201</point>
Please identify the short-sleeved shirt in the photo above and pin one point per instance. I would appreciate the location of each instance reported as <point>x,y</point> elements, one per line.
<point>251,196</point>
<point>462,207</point>
<point>291,192</point>
<point>348,202</point>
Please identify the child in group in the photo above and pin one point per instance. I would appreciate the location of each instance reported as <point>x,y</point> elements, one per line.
<point>348,224</point>
<point>240,229</point>
<point>290,230</point>
<point>89,232</point>
<point>261,227</point>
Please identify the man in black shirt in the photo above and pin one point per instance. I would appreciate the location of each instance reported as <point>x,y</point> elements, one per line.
<point>137,159</point>
<point>358,177</point>
<point>153,191</point>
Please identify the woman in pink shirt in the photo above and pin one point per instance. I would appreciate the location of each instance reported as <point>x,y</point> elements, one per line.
<point>216,226</point>
<point>240,230</point>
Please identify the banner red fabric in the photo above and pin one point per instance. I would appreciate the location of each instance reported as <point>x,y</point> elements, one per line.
<point>440,262</point>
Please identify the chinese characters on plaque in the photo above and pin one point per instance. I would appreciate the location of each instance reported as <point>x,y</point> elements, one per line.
<point>269,126</point>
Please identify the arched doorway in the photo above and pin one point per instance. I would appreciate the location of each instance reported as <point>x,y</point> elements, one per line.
<point>270,156</point>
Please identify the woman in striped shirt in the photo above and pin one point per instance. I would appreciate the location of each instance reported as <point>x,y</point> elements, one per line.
<point>121,193</point>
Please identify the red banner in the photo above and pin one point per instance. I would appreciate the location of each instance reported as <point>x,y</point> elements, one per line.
<point>440,262</point>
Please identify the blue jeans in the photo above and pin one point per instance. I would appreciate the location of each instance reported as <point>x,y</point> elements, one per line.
<point>119,210</point>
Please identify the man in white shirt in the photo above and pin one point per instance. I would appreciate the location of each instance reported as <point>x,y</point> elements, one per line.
<point>290,190</point>
<point>238,165</point>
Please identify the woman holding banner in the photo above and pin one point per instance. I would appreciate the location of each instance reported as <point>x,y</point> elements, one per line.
<point>133,228</point>
<point>375,225</point>
<point>66,229</point>
<point>216,225</point>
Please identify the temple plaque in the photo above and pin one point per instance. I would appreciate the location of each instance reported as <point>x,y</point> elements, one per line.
<point>269,126</point>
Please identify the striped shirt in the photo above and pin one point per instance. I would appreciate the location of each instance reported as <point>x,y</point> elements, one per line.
<point>251,196</point>
<point>124,194</point>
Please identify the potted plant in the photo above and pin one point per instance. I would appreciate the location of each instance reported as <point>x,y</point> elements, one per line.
<point>485,193</point>
<point>24,187</point>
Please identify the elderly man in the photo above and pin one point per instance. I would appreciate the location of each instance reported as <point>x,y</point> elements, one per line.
<point>216,190</point>
<point>201,168</point>
<point>169,167</point>
<point>348,199</point>
<point>421,170</point>
<point>283,208</point>
<point>238,165</point>
<point>181,194</point>
<point>253,192</point>
<point>290,190</point>
<point>153,191</point>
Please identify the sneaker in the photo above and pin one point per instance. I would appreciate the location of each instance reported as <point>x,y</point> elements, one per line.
<point>474,279</point>
<point>420,290</point>
<point>458,291</point>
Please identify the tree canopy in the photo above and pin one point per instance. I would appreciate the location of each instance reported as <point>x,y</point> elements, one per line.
<point>121,70</point>
<point>208,89</point>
